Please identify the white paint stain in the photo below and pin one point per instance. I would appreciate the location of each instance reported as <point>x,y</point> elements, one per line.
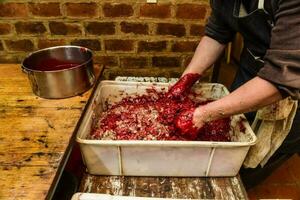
<point>88,184</point>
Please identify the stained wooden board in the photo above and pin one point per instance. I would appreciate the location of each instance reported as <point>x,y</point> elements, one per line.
<point>25,182</point>
<point>33,123</point>
<point>38,111</point>
<point>165,187</point>
<point>21,100</point>
<point>34,135</point>
<point>31,159</point>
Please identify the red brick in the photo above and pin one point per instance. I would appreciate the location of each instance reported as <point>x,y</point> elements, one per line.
<point>106,60</point>
<point>175,72</point>
<point>170,29</point>
<point>187,46</point>
<point>187,60</point>
<point>144,46</point>
<point>191,11</point>
<point>81,9</point>
<point>13,10</point>
<point>100,28</point>
<point>133,62</point>
<point>155,10</point>
<point>92,44</point>
<point>61,28</point>
<point>19,45</point>
<point>1,46</point>
<point>117,10</point>
<point>136,28</point>
<point>45,43</point>
<point>45,9</point>
<point>197,30</point>
<point>119,45</point>
<point>30,27</point>
<point>5,28</point>
<point>166,61</point>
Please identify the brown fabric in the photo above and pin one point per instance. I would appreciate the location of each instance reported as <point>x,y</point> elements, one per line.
<point>219,25</point>
<point>218,29</point>
<point>282,59</point>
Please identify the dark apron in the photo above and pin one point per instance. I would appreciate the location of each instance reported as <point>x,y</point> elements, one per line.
<point>256,42</point>
<point>256,29</point>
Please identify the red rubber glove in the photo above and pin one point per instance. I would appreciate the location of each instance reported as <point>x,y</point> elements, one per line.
<point>183,85</point>
<point>184,122</point>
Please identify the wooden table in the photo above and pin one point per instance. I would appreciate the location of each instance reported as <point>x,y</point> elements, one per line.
<point>163,187</point>
<point>35,136</point>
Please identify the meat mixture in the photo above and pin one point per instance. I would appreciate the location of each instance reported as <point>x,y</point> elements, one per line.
<point>152,117</point>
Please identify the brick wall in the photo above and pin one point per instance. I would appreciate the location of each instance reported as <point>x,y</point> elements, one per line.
<point>127,36</point>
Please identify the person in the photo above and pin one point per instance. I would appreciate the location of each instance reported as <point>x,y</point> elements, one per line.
<point>269,67</point>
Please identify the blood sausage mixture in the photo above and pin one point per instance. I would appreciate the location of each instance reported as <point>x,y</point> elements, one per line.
<point>152,117</point>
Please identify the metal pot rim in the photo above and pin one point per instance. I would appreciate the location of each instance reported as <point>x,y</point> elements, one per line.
<point>60,70</point>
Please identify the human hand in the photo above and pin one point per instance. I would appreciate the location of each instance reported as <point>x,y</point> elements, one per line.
<point>199,117</point>
<point>183,85</point>
<point>188,123</point>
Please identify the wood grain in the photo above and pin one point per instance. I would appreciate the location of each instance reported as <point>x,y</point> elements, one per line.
<point>34,135</point>
<point>165,187</point>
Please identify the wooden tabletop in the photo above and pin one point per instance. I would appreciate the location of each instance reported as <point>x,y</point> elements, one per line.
<point>34,136</point>
<point>165,187</point>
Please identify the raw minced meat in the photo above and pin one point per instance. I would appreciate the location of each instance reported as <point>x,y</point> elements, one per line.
<point>151,117</point>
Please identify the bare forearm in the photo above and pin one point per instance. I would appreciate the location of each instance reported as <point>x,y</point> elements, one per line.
<point>249,97</point>
<point>205,55</point>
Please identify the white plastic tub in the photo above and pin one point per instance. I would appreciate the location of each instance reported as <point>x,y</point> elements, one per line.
<point>160,158</point>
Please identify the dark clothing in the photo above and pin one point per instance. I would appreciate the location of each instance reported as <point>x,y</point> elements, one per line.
<point>291,143</point>
<point>271,47</point>
<point>271,32</point>
<point>276,40</point>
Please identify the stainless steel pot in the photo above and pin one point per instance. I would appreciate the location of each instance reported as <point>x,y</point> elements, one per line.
<point>60,72</point>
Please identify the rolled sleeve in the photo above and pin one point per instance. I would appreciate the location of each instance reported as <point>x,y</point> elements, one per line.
<point>218,29</point>
<point>282,59</point>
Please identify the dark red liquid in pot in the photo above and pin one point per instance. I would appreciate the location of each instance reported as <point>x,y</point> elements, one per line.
<point>52,64</point>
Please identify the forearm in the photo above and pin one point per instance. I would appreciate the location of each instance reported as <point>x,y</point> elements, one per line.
<point>205,55</point>
<point>249,97</point>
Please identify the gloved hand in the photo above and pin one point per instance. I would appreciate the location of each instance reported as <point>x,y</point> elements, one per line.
<point>183,85</point>
<point>184,122</point>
